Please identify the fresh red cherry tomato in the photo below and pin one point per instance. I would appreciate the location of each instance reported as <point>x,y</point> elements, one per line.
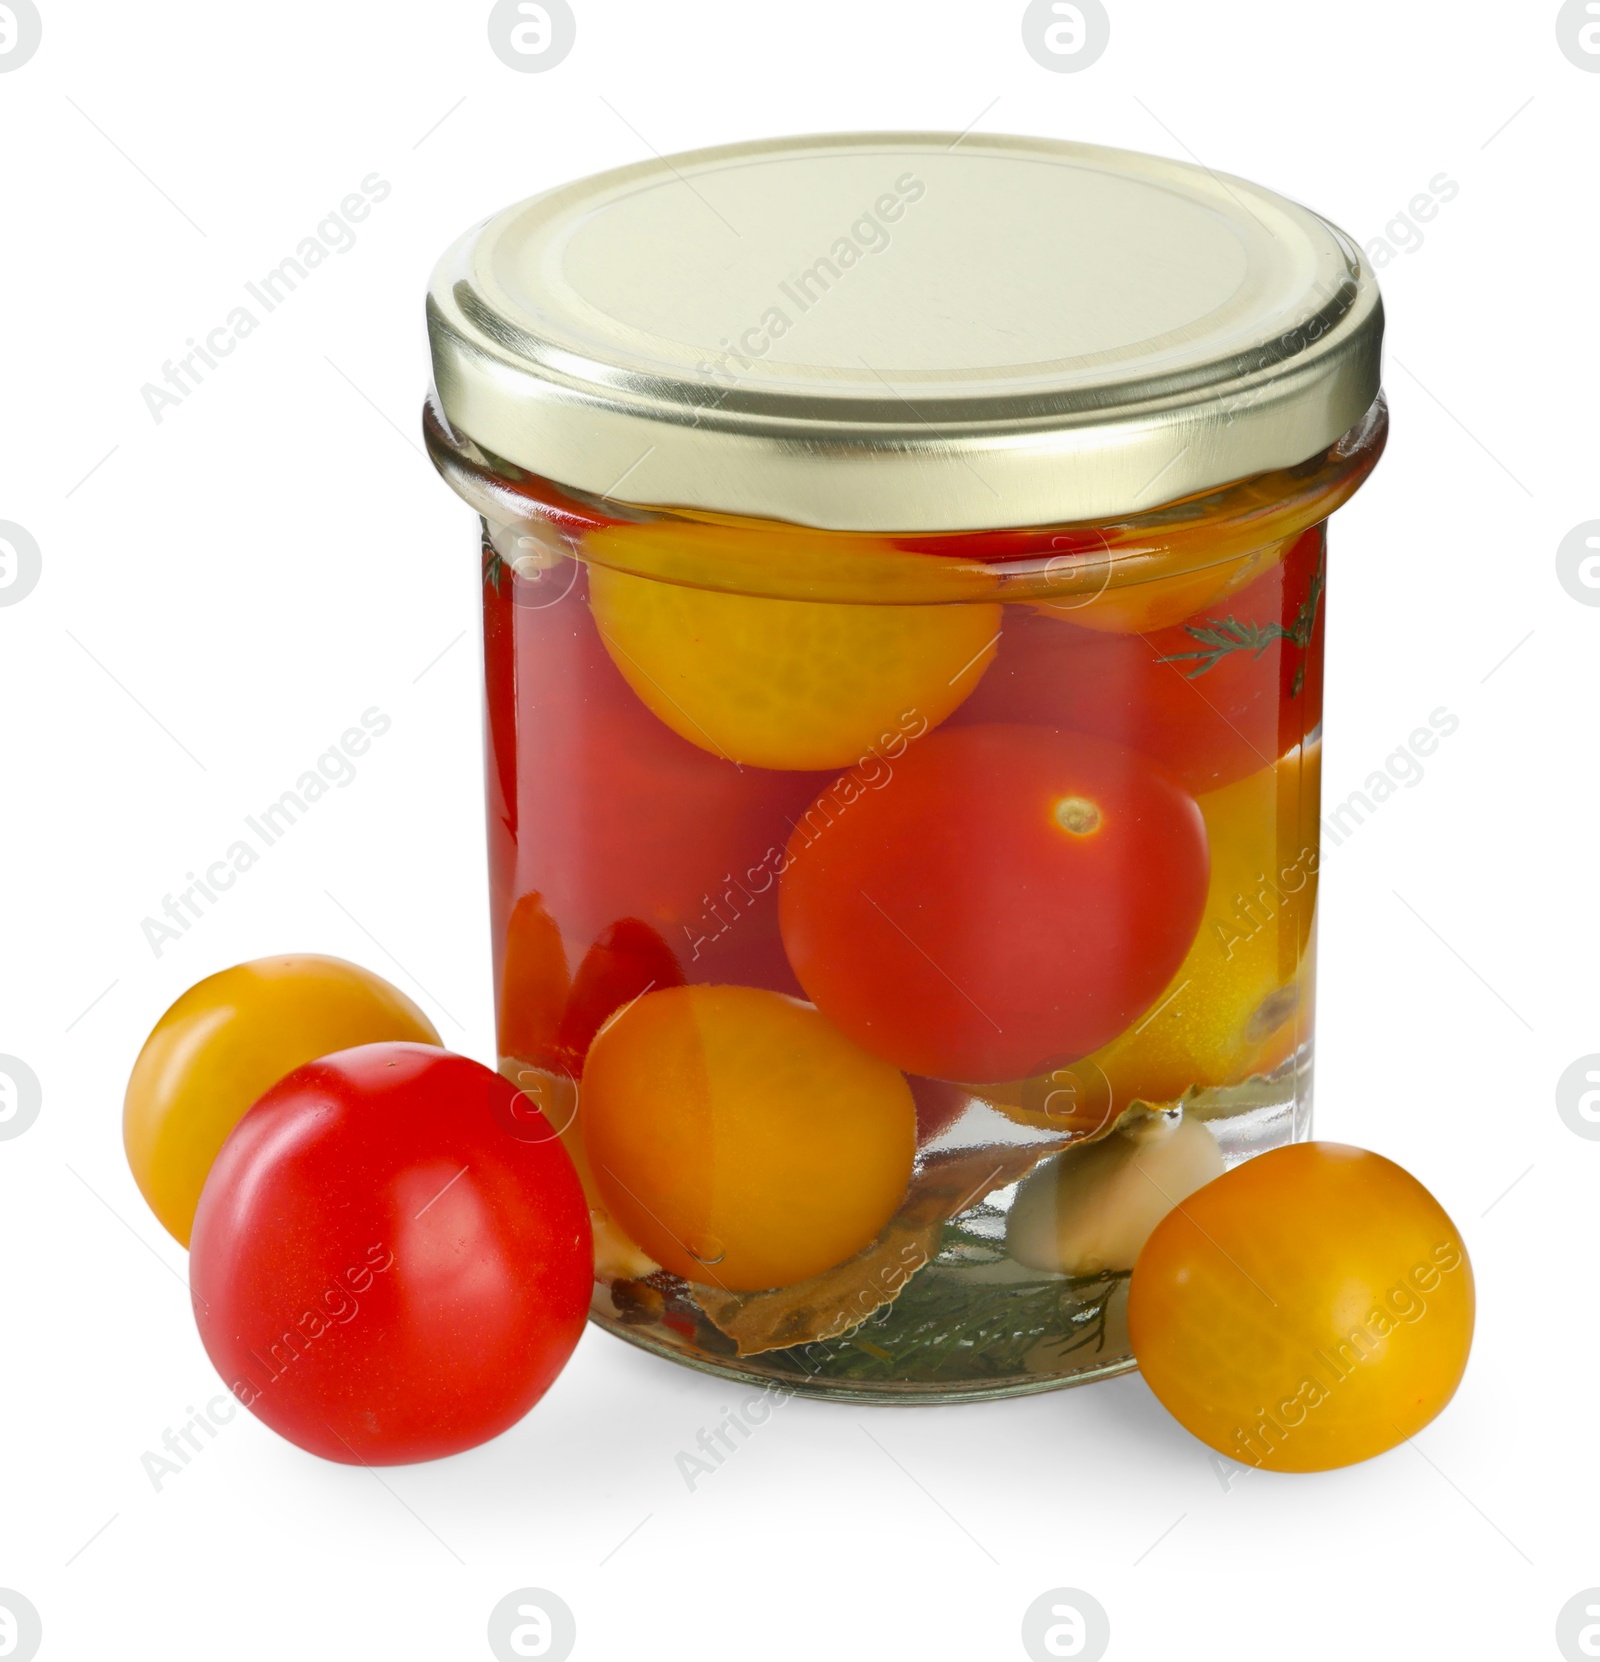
<point>1214,698</point>
<point>381,1271</point>
<point>1008,900</point>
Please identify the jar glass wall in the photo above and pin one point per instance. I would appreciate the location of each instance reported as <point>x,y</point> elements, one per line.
<point>894,926</point>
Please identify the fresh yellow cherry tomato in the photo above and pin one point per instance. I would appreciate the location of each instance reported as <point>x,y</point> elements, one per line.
<point>790,683</point>
<point>224,1043</point>
<point>1308,1309</point>
<point>740,1138</point>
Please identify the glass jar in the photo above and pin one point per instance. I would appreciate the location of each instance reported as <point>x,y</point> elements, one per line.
<point>903,565</point>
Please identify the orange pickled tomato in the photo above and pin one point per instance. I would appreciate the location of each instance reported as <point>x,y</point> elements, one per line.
<point>1308,1309</point>
<point>790,683</point>
<point>534,983</point>
<point>740,1138</point>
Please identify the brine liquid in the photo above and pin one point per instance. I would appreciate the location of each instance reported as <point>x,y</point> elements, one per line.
<point>614,840</point>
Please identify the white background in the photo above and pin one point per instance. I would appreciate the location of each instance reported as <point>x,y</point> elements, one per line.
<point>228,589</point>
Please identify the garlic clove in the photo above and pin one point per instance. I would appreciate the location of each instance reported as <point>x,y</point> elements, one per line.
<point>1091,1209</point>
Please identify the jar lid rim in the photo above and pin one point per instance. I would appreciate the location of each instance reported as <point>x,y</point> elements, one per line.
<point>905,330</point>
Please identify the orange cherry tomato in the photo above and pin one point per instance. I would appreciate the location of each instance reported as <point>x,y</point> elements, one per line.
<point>1009,898</point>
<point>1308,1309</point>
<point>739,1138</point>
<point>223,1043</point>
<point>534,984</point>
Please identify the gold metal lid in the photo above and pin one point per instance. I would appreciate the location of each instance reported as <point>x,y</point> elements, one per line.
<point>905,332</point>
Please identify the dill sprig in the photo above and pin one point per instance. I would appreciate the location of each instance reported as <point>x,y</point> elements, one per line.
<point>1219,638</point>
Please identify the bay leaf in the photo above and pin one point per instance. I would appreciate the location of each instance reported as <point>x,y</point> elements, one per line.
<point>835,1303</point>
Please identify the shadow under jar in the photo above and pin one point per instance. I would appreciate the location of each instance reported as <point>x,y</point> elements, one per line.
<point>904,583</point>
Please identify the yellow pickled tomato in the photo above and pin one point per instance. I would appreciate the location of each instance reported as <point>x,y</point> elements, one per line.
<point>1308,1309</point>
<point>790,683</point>
<point>1137,608</point>
<point>1239,1001</point>
<point>739,1138</point>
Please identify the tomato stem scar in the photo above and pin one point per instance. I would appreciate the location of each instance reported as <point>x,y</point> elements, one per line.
<point>1078,815</point>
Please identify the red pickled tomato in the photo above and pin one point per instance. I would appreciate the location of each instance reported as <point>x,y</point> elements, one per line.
<point>939,1105</point>
<point>1010,900</point>
<point>629,960</point>
<point>620,818</point>
<point>500,698</point>
<point>1208,711</point>
<point>550,1019</point>
<point>380,1271</point>
<point>562,517</point>
<point>993,547</point>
